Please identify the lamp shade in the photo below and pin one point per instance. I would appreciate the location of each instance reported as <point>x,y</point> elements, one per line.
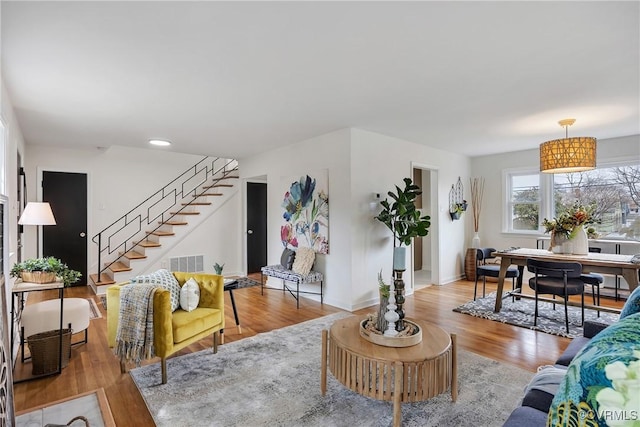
<point>37,213</point>
<point>568,155</point>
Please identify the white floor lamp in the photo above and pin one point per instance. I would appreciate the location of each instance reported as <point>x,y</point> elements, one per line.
<point>37,213</point>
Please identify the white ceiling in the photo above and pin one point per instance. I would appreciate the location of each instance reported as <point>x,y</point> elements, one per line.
<point>236,78</point>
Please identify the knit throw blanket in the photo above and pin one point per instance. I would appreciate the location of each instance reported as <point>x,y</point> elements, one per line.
<point>134,336</point>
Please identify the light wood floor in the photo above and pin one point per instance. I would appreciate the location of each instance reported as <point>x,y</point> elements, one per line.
<point>94,366</point>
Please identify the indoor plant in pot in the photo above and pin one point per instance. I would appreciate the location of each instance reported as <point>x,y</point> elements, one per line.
<point>44,270</point>
<point>401,216</point>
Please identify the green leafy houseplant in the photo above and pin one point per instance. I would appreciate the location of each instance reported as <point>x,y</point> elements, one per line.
<point>47,265</point>
<point>218,268</point>
<point>401,215</point>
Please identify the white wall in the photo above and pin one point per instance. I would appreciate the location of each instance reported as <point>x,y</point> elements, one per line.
<point>330,151</point>
<point>14,144</point>
<point>379,163</point>
<point>119,178</point>
<point>491,167</point>
<point>361,163</point>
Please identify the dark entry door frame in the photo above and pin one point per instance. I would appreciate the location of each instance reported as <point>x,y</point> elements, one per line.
<point>40,194</point>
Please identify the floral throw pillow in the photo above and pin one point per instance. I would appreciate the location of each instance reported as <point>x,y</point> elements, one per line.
<point>165,279</point>
<point>602,385</point>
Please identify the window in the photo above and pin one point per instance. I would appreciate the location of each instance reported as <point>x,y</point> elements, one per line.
<point>524,202</point>
<point>615,193</point>
<point>614,190</point>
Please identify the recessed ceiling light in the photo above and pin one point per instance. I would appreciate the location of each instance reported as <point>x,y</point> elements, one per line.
<point>159,142</point>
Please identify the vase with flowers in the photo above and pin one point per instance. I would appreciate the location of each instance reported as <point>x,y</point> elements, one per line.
<point>569,227</point>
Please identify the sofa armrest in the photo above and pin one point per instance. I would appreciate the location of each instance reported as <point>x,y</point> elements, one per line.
<point>163,331</point>
<point>113,312</point>
<point>162,323</point>
<point>593,328</point>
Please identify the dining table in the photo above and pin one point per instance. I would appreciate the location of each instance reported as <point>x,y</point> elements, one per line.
<point>593,262</point>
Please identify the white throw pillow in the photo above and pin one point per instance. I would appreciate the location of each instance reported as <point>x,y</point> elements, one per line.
<point>304,261</point>
<point>190,295</point>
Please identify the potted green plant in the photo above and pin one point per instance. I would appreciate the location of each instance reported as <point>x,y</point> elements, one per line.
<point>218,268</point>
<point>456,211</point>
<point>405,222</point>
<point>403,219</point>
<point>44,270</point>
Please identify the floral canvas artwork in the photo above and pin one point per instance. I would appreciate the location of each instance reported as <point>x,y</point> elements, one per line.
<point>306,213</point>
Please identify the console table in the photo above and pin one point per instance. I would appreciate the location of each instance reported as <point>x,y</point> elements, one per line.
<point>406,374</point>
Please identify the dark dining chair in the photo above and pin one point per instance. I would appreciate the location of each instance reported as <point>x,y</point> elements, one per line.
<point>558,279</point>
<point>492,270</point>
<point>595,280</point>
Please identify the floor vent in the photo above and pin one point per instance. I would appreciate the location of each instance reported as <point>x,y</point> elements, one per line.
<point>190,264</point>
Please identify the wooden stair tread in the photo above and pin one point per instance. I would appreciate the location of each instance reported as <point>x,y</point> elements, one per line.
<point>222,185</point>
<point>149,244</point>
<point>170,222</point>
<point>184,213</point>
<point>134,255</point>
<point>104,279</point>
<point>210,194</point>
<point>119,266</point>
<point>161,233</point>
<point>197,204</point>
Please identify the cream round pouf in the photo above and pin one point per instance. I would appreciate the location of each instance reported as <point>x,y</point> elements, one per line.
<point>45,316</point>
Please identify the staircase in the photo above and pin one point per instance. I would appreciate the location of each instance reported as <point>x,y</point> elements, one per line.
<point>142,236</point>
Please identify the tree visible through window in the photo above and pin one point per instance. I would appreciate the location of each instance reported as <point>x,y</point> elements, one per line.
<point>525,202</point>
<point>615,193</point>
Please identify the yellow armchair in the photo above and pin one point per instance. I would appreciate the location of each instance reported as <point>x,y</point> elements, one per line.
<point>174,331</point>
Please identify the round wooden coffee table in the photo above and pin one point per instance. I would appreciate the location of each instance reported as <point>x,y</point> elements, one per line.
<point>405,374</point>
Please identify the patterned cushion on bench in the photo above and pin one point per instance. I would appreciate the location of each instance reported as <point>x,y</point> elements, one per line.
<point>280,272</point>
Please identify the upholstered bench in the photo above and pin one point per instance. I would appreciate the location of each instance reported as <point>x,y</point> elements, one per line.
<point>280,272</point>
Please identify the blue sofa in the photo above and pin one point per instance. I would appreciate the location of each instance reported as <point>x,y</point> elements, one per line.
<point>568,393</point>
<point>536,402</point>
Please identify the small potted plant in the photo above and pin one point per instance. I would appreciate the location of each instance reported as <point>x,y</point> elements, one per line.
<point>218,268</point>
<point>456,210</point>
<point>44,270</point>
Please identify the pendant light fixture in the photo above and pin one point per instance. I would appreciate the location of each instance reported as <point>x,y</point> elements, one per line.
<point>568,155</point>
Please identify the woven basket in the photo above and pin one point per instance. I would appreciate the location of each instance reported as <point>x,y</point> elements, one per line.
<point>44,351</point>
<point>38,276</point>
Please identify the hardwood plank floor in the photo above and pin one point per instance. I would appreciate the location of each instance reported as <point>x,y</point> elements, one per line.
<point>93,365</point>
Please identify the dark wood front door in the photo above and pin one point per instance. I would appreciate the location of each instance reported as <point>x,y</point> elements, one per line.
<point>256,226</point>
<point>67,240</point>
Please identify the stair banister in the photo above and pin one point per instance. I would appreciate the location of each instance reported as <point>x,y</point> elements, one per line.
<point>175,188</point>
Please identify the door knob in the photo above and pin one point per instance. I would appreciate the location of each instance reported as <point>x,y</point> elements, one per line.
<point>83,234</point>
<point>249,231</point>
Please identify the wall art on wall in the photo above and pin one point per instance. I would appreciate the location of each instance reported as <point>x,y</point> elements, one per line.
<point>306,211</point>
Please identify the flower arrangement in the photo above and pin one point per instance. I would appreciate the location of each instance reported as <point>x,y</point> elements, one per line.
<point>569,221</point>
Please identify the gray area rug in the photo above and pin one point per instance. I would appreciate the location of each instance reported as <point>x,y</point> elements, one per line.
<point>245,282</point>
<point>520,313</point>
<point>273,379</point>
